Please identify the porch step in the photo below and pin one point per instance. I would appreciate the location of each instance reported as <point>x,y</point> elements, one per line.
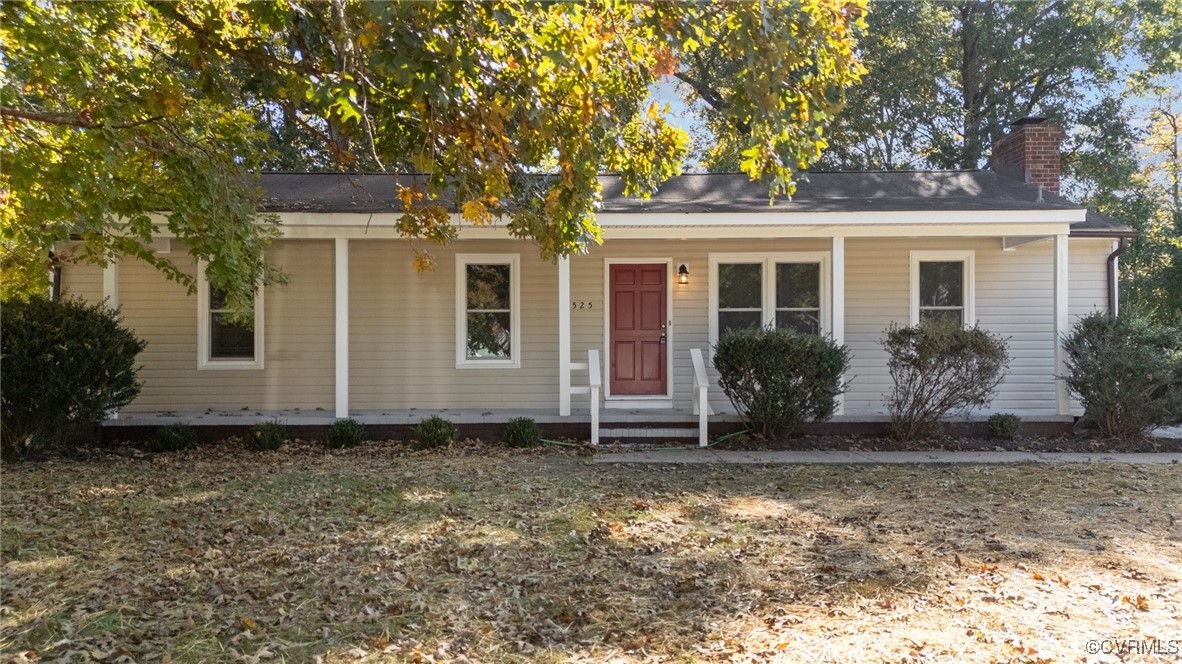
<point>648,434</point>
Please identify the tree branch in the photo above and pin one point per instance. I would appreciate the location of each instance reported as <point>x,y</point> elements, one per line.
<point>82,120</point>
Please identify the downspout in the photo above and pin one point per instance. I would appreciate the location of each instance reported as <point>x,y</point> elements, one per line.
<point>1113,282</point>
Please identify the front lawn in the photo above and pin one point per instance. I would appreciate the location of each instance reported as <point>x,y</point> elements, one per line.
<point>486,555</point>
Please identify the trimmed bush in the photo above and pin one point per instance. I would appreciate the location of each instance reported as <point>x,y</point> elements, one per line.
<point>1127,371</point>
<point>779,378</point>
<point>939,369</point>
<point>434,432</point>
<point>66,364</point>
<point>266,436</point>
<point>345,433</point>
<point>173,438</point>
<point>522,432</point>
<point>1003,426</point>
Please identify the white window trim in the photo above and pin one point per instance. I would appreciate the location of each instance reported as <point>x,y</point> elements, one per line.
<point>769,261</point>
<point>514,263</point>
<point>968,257</point>
<point>204,361</point>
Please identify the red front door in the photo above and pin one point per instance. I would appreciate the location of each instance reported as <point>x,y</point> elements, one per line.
<point>638,334</point>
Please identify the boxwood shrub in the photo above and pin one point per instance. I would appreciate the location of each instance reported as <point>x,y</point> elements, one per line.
<point>266,436</point>
<point>779,378</point>
<point>434,432</point>
<point>522,432</point>
<point>345,433</point>
<point>66,364</point>
<point>173,438</point>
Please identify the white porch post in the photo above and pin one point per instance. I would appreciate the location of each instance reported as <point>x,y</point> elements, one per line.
<point>341,263</point>
<point>111,297</point>
<point>837,281</point>
<point>564,336</point>
<point>1061,295</point>
<point>111,283</point>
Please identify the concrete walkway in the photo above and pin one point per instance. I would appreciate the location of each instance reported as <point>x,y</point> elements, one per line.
<point>699,456</point>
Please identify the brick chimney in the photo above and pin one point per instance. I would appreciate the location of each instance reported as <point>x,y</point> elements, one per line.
<point>1030,152</point>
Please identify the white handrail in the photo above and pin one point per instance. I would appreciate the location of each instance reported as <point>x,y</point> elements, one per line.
<point>594,382</point>
<point>701,404</point>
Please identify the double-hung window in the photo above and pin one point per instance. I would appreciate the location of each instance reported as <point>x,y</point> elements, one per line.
<point>488,314</point>
<point>225,341</point>
<point>769,290</point>
<point>942,287</point>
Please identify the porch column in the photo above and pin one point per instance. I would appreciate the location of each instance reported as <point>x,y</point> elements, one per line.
<point>837,283</point>
<point>111,298</point>
<point>341,278</point>
<point>564,336</point>
<point>111,283</point>
<point>1061,295</point>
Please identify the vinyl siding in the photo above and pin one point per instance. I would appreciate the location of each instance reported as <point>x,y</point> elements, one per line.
<point>402,323</point>
<point>298,337</point>
<point>83,281</point>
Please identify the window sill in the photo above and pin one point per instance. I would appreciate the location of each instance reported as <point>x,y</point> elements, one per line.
<point>230,365</point>
<point>489,364</point>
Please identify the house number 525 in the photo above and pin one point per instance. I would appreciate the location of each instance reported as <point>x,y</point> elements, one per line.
<point>582,305</point>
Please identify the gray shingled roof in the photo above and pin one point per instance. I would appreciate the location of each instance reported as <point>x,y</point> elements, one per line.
<point>720,192</point>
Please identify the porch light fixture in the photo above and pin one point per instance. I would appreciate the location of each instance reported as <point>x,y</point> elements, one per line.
<point>683,274</point>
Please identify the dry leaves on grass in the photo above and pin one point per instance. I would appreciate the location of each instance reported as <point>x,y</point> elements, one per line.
<point>484,555</point>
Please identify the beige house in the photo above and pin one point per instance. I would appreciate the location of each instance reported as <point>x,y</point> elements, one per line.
<point>494,332</point>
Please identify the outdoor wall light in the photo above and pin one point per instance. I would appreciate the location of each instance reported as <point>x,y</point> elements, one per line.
<point>683,274</point>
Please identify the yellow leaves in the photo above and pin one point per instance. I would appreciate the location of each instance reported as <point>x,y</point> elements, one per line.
<point>476,212</point>
<point>423,262</point>
<point>408,196</point>
<point>654,112</point>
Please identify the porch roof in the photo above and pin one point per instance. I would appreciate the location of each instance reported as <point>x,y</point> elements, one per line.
<point>705,193</point>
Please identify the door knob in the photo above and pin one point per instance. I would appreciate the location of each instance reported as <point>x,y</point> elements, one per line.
<point>662,338</point>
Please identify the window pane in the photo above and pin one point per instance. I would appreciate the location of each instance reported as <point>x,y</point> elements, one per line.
<point>488,287</point>
<point>489,336</point>
<point>941,284</point>
<point>217,298</point>
<point>808,322</point>
<point>798,285</point>
<point>733,320</point>
<point>740,285</point>
<point>228,341</point>
<point>953,315</point>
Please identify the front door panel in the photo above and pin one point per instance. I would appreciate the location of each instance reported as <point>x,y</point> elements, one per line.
<point>637,332</point>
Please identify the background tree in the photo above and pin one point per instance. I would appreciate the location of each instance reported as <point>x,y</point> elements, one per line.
<point>115,111</point>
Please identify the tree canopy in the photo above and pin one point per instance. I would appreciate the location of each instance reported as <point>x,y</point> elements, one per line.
<point>114,112</point>
<point>945,79</point>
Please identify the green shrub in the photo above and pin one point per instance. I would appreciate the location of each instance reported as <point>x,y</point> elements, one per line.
<point>266,436</point>
<point>434,432</point>
<point>173,438</point>
<point>345,433</point>
<point>780,378</point>
<point>1003,426</point>
<point>939,369</point>
<point>66,364</point>
<point>522,432</point>
<point>1127,372</point>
